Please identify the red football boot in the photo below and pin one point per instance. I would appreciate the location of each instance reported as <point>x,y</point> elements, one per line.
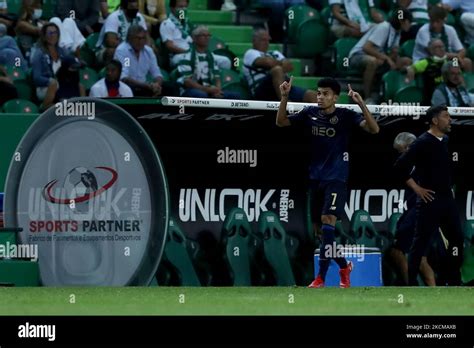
<point>317,283</point>
<point>345,274</point>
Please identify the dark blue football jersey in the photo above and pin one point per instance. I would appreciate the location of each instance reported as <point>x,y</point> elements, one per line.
<point>329,140</point>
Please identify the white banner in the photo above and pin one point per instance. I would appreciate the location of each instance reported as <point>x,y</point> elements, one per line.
<point>390,109</point>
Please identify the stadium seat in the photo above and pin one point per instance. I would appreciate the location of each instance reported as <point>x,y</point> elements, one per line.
<point>229,77</point>
<point>200,263</point>
<point>392,82</point>
<point>341,236</point>
<point>240,246</point>
<point>153,282</point>
<point>392,223</point>
<point>239,48</point>
<point>210,17</point>
<point>197,5</point>
<point>467,269</point>
<point>314,32</point>
<point>469,233</point>
<point>307,82</point>
<point>14,6</point>
<point>163,274</point>
<point>362,229</point>
<point>176,252</point>
<point>325,15</point>
<point>408,94</point>
<point>240,87</point>
<point>232,33</point>
<point>88,77</point>
<point>292,245</point>
<point>296,15</point>
<point>297,67</point>
<point>91,41</point>
<point>48,9</point>
<point>20,106</point>
<point>215,43</point>
<point>406,50</point>
<point>15,73</point>
<point>342,47</point>
<point>24,89</point>
<point>469,80</point>
<point>88,50</point>
<point>274,241</point>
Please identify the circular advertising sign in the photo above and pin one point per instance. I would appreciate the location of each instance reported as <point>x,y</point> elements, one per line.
<point>88,188</point>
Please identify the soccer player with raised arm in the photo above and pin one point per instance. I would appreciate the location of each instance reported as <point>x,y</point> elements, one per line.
<point>330,129</point>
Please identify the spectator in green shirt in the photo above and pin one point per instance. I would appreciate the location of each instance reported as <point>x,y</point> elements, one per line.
<point>430,69</point>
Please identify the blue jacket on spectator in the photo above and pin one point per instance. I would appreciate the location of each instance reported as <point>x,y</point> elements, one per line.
<point>42,66</point>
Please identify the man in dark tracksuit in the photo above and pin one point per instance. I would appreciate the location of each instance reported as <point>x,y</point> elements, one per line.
<point>435,203</point>
<point>406,224</point>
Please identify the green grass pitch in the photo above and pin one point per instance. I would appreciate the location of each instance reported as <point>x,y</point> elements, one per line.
<point>237,301</point>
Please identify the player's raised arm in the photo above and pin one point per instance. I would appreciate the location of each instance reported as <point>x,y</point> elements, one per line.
<point>282,117</point>
<point>368,124</point>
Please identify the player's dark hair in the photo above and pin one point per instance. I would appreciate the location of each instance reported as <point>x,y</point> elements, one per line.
<point>115,63</point>
<point>398,16</point>
<point>437,13</point>
<point>329,82</point>
<point>435,111</point>
<point>173,3</point>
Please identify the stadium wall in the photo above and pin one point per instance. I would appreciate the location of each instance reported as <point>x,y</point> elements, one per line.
<point>197,144</point>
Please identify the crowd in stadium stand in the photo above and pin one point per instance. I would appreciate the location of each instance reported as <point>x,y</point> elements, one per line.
<point>421,44</point>
<point>348,19</point>
<point>198,69</point>
<point>369,54</point>
<point>266,70</point>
